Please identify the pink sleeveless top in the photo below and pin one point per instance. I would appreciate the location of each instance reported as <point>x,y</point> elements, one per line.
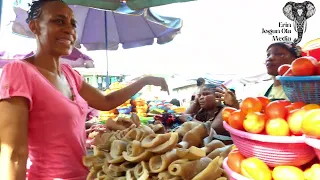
<point>56,129</point>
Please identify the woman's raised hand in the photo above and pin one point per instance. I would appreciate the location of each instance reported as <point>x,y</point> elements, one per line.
<point>223,94</point>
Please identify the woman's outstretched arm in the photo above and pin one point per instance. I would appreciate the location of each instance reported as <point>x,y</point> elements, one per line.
<point>99,101</point>
<point>14,138</point>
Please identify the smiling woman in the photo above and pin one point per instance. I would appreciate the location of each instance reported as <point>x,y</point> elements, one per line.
<point>43,111</point>
<point>62,17</point>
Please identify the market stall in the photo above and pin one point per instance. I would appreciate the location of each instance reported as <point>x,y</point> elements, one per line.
<point>272,138</point>
<point>145,110</point>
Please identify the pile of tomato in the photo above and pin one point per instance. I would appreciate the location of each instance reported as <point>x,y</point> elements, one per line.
<point>258,115</point>
<point>277,118</point>
<point>254,168</point>
<point>303,66</point>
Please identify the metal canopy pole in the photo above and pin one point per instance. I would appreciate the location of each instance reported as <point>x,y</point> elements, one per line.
<point>106,40</point>
<point>1,4</point>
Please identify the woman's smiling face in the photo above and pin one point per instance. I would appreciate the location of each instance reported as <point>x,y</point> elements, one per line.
<point>55,28</point>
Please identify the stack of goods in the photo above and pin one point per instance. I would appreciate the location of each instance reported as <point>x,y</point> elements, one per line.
<point>92,132</point>
<point>146,152</point>
<point>125,108</point>
<point>120,123</point>
<point>140,107</point>
<point>242,168</point>
<point>170,121</point>
<point>159,107</point>
<point>271,140</point>
<point>178,110</point>
<point>105,115</point>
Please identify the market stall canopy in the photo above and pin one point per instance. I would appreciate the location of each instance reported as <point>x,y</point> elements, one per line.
<point>123,26</point>
<point>212,39</point>
<point>75,59</point>
<point>115,4</point>
<point>180,80</point>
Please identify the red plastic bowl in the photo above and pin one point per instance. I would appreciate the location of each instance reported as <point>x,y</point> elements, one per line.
<point>315,143</point>
<point>232,175</point>
<point>273,150</point>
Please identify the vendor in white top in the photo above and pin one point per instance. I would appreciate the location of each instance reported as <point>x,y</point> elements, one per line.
<point>278,54</point>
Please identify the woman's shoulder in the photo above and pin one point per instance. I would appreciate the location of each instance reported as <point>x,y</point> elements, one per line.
<point>19,62</point>
<point>18,66</point>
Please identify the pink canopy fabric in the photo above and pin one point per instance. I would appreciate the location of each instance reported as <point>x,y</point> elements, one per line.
<point>75,59</point>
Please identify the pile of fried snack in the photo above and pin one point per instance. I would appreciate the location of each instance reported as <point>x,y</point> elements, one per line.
<point>131,151</point>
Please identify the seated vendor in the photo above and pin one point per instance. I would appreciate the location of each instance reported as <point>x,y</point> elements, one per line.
<point>207,107</point>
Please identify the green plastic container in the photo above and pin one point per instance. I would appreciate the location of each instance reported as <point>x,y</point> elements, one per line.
<point>144,120</point>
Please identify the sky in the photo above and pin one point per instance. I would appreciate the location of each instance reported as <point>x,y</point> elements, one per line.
<point>219,37</point>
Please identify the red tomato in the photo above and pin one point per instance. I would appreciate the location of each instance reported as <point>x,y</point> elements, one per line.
<point>236,119</point>
<point>318,68</point>
<point>304,66</point>
<point>251,104</point>
<point>264,101</point>
<point>288,73</point>
<point>295,105</point>
<point>234,160</point>
<point>283,69</point>
<point>311,58</point>
<point>226,113</point>
<point>276,109</point>
<point>284,102</point>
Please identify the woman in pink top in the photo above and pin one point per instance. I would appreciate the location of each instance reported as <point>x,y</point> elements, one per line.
<point>44,104</point>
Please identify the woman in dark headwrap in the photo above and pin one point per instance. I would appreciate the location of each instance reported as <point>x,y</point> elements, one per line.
<point>279,53</point>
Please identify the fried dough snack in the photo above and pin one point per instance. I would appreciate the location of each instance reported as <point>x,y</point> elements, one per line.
<point>140,152</point>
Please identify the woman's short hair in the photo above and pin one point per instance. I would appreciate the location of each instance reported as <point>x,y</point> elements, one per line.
<point>35,9</point>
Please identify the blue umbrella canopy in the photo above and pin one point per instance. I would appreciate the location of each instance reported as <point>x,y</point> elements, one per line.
<point>101,30</point>
<point>115,4</point>
<point>75,59</point>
